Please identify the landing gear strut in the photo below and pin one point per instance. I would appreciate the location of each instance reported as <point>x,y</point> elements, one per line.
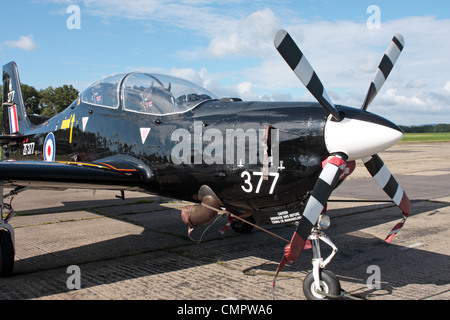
<point>7,251</point>
<point>321,284</point>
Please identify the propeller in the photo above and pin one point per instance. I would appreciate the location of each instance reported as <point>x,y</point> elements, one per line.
<point>387,182</point>
<point>349,135</point>
<point>303,70</point>
<point>384,69</point>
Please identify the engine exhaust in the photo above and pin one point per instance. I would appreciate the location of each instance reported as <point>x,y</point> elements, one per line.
<point>199,215</point>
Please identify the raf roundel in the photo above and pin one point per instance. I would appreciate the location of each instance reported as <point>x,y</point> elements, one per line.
<point>49,147</point>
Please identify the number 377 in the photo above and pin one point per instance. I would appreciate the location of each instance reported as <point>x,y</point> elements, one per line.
<point>248,186</point>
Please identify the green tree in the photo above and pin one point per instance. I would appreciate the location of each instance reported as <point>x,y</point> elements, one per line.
<point>58,99</point>
<point>47,97</point>
<point>441,128</point>
<point>437,128</point>
<point>64,96</point>
<point>30,99</point>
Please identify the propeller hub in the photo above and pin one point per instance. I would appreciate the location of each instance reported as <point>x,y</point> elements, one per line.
<point>360,134</point>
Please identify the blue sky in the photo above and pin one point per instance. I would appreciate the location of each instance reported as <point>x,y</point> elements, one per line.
<point>227,46</point>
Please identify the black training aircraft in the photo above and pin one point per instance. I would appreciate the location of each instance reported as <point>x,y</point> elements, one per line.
<point>266,162</point>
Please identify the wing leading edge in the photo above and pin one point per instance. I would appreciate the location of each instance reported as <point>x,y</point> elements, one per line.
<point>113,173</point>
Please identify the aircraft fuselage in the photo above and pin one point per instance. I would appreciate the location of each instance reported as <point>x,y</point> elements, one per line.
<point>255,155</point>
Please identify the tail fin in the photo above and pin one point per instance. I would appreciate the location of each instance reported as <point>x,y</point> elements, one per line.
<point>15,120</point>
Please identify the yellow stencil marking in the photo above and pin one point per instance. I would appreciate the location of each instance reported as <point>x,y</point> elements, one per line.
<point>68,123</point>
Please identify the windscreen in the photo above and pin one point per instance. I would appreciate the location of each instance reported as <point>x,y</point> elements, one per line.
<point>104,92</point>
<point>160,94</point>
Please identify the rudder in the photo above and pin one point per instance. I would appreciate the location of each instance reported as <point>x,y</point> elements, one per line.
<point>15,120</point>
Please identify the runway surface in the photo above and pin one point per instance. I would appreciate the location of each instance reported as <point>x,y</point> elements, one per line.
<point>139,248</point>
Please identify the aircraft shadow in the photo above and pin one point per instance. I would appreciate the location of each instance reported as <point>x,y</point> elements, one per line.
<point>163,247</point>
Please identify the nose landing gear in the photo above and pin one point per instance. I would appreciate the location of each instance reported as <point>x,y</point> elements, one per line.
<point>321,284</point>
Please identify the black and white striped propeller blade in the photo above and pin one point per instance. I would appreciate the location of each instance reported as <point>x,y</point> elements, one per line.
<point>325,184</point>
<point>303,70</point>
<point>387,182</point>
<point>384,69</point>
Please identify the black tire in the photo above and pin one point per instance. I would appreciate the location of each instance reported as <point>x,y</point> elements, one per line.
<point>329,284</point>
<point>6,254</point>
<point>242,227</point>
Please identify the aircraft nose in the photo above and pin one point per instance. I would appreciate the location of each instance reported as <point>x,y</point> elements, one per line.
<point>361,134</point>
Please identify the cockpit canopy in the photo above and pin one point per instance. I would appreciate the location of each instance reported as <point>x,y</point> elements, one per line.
<point>146,93</point>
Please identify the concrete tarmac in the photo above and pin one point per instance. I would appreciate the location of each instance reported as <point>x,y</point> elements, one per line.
<point>139,248</point>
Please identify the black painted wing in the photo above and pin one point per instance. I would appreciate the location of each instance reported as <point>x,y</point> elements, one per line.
<point>113,173</point>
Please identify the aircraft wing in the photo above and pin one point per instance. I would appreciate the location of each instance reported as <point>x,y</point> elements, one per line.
<point>5,139</point>
<point>114,173</point>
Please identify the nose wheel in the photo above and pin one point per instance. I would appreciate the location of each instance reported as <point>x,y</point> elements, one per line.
<point>329,286</point>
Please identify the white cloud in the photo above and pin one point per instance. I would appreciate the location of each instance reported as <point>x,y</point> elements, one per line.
<point>205,79</point>
<point>447,86</point>
<point>190,75</point>
<point>194,15</point>
<point>245,91</point>
<point>345,54</point>
<point>24,43</point>
<point>251,36</point>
